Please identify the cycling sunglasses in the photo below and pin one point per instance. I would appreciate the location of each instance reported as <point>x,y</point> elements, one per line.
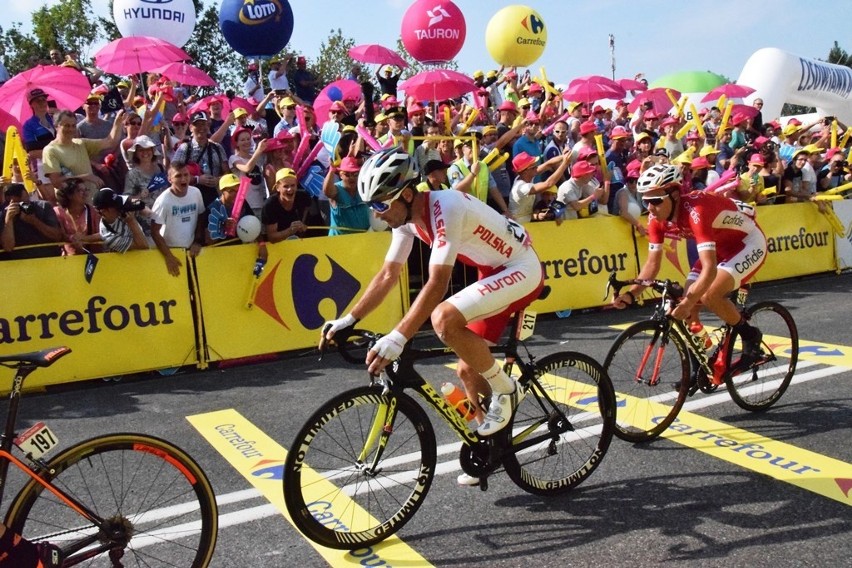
<point>657,201</point>
<point>382,206</point>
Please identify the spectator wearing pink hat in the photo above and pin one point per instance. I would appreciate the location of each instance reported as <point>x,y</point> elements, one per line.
<point>669,140</point>
<point>524,190</point>
<point>616,158</point>
<point>750,188</point>
<point>836,172</point>
<point>628,203</point>
<point>699,167</point>
<point>693,140</point>
<point>740,124</point>
<point>507,112</point>
<point>582,193</point>
<point>587,139</point>
<point>348,213</point>
<point>528,141</point>
<point>416,121</point>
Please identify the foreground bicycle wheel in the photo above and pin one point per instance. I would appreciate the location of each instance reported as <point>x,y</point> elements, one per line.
<point>349,481</point>
<point>640,354</point>
<point>153,495</point>
<point>762,386</point>
<point>581,390</point>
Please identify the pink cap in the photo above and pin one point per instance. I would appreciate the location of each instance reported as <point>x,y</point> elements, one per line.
<point>337,106</point>
<point>668,121</point>
<point>700,163</point>
<point>582,168</point>
<point>534,88</point>
<point>349,164</point>
<point>619,132</point>
<point>832,152</point>
<point>587,128</point>
<point>693,135</point>
<point>649,114</point>
<point>739,118</point>
<point>531,116</point>
<point>523,161</point>
<point>508,105</point>
<point>415,108</point>
<point>597,109</point>
<point>756,159</point>
<point>178,117</point>
<point>586,152</point>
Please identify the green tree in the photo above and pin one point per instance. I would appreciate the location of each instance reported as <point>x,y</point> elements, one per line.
<point>69,25</point>
<point>839,56</point>
<point>333,61</point>
<point>19,50</point>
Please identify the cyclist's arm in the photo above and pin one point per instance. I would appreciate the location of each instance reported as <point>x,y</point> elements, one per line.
<point>427,300</point>
<point>700,286</point>
<point>378,289</point>
<point>649,271</point>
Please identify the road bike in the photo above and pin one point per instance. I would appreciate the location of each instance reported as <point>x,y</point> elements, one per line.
<point>655,364</point>
<point>114,500</point>
<point>361,466</point>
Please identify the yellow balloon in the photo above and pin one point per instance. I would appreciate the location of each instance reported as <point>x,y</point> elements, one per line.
<point>516,36</point>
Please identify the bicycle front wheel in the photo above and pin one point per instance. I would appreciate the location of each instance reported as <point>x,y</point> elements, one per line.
<point>571,387</point>
<point>763,384</point>
<point>359,468</point>
<point>158,506</point>
<point>649,368</point>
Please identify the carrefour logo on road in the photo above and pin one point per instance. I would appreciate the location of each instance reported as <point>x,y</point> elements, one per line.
<point>533,24</point>
<point>256,12</point>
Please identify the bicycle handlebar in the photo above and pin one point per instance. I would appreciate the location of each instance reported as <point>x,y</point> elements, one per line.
<point>665,287</point>
<point>348,339</point>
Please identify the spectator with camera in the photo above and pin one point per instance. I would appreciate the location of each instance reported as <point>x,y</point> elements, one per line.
<point>25,223</point>
<point>119,227</point>
<point>178,217</point>
<point>836,172</point>
<point>208,159</point>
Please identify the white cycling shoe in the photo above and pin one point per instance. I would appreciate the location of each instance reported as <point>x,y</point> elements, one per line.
<point>467,480</point>
<point>500,412</point>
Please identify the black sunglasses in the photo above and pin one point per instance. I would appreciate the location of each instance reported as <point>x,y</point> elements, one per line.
<point>656,201</point>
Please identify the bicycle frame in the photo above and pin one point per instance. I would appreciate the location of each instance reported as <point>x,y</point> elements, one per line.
<point>35,465</point>
<point>402,375</point>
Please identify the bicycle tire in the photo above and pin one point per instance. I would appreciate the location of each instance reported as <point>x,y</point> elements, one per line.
<point>153,494</point>
<point>644,410</point>
<point>332,499</point>
<point>762,386</point>
<point>578,385</point>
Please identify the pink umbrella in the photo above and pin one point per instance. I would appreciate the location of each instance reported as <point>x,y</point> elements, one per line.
<point>437,85</point>
<point>747,110</point>
<point>7,120</point>
<point>632,85</point>
<point>658,96</point>
<point>67,86</point>
<point>591,88</point>
<point>375,53</point>
<point>137,54</point>
<point>185,74</point>
<point>337,91</point>
<point>730,90</point>
<point>228,105</point>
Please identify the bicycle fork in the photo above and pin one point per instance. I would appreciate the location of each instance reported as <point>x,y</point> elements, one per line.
<point>377,438</point>
<point>658,345</point>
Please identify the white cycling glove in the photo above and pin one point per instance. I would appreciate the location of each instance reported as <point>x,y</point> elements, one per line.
<point>390,346</point>
<point>334,326</point>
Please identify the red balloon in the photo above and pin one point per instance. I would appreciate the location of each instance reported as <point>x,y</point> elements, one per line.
<point>433,31</point>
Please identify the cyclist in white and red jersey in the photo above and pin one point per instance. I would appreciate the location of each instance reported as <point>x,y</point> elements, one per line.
<point>457,227</point>
<point>731,249</point>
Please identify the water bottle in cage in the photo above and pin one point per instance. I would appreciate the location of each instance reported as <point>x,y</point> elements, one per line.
<point>742,295</point>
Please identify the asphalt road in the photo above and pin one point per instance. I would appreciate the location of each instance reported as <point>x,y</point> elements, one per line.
<point>662,502</point>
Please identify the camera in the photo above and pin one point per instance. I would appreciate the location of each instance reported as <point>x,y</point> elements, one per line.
<point>842,164</point>
<point>131,205</point>
<point>27,208</point>
<point>828,120</point>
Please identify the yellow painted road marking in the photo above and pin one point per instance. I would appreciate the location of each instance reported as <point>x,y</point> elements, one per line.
<point>260,460</point>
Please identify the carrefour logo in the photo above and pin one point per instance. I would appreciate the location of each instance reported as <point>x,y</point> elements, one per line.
<point>308,291</point>
<point>256,12</point>
<point>532,24</point>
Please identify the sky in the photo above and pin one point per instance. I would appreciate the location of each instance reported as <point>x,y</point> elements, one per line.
<point>653,37</point>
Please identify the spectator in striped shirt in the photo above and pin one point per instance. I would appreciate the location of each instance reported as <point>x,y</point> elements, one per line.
<point>119,229</point>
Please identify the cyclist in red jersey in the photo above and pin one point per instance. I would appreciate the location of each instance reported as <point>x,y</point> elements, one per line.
<point>731,249</point>
<point>456,227</point>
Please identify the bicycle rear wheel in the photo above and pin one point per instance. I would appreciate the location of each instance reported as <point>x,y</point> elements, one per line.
<point>157,503</point>
<point>336,493</point>
<point>578,387</point>
<point>763,384</point>
<point>645,363</point>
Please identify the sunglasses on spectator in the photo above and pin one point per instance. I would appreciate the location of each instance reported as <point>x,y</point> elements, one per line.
<point>657,201</point>
<point>382,206</point>
<point>290,107</point>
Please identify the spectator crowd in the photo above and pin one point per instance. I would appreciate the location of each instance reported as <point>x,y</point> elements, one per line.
<point>155,166</point>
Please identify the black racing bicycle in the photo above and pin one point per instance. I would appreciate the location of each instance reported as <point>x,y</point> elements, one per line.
<point>362,464</point>
<point>114,500</point>
<point>655,364</point>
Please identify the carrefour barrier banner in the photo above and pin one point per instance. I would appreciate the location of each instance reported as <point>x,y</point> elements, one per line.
<point>675,264</point>
<point>799,241</point>
<point>577,257</point>
<point>132,317</point>
<point>303,284</point>
<point>843,210</point>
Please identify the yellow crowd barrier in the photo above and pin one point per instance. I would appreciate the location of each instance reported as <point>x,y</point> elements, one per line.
<point>133,316</point>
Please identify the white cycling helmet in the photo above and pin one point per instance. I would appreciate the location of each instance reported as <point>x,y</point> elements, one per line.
<point>658,176</point>
<point>385,173</point>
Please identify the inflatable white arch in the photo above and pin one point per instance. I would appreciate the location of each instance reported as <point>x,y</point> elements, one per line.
<point>780,77</point>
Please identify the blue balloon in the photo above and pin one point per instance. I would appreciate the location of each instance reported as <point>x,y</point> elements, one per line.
<point>256,28</point>
<point>334,93</point>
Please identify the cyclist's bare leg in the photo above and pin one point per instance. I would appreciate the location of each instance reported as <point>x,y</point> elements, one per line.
<point>716,298</point>
<point>475,386</point>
